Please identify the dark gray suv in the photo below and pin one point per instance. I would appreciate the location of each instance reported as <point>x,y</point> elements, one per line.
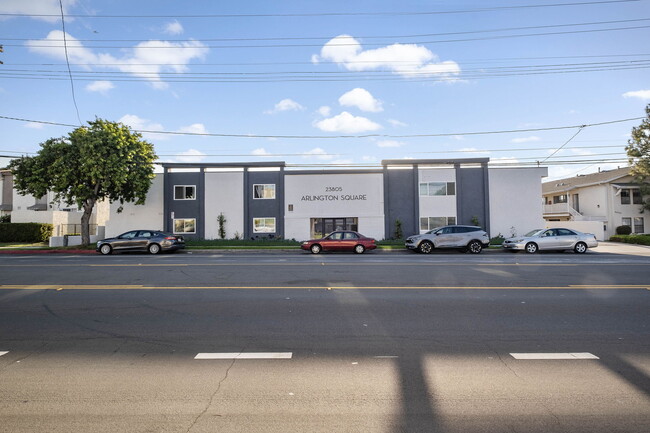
<point>467,238</point>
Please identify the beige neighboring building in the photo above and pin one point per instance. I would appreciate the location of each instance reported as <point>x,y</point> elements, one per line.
<point>608,198</point>
<point>6,192</point>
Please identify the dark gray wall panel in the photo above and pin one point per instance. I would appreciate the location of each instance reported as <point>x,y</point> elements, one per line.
<point>264,208</point>
<point>185,208</point>
<point>401,201</point>
<point>472,189</point>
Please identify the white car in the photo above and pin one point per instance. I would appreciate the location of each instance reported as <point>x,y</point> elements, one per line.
<point>552,239</point>
<point>467,238</point>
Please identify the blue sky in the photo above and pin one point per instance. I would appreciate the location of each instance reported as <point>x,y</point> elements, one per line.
<point>336,83</point>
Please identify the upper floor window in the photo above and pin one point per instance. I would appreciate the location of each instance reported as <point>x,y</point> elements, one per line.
<point>559,199</point>
<point>625,196</point>
<point>264,191</point>
<point>184,192</point>
<point>437,188</point>
<point>636,196</point>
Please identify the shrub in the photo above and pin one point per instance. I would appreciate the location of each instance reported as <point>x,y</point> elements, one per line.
<point>5,218</point>
<point>631,239</point>
<point>623,230</point>
<point>25,232</point>
<point>497,240</point>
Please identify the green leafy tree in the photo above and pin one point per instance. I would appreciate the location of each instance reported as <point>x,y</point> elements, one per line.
<point>104,160</point>
<point>638,152</point>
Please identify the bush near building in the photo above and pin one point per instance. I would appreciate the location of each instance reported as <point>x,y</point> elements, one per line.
<point>624,230</point>
<point>25,232</point>
<point>631,239</point>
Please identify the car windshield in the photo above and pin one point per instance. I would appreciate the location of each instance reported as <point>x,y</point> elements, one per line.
<point>432,231</point>
<point>534,232</point>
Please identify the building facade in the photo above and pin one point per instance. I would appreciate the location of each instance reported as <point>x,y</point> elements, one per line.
<point>258,200</point>
<point>606,199</point>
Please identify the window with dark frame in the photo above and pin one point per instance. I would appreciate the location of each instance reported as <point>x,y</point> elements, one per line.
<point>184,192</point>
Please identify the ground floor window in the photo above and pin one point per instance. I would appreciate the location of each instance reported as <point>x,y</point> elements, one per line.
<point>184,225</point>
<point>322,226</point>
<point>639,227</point>
<point>263,225</point>
<point>430,223</point>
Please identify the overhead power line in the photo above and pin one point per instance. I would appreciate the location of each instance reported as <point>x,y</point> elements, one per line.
<point>340,14</point>
<point>303,137</point>
<point>67,61</point>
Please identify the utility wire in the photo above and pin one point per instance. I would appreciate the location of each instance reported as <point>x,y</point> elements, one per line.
<point>339,14</point>
<point>67,60</point>
<point>303,137</point>
<point>567,142</point>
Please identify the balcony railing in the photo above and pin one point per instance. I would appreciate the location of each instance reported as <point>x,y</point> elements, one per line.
<point>563,209</point>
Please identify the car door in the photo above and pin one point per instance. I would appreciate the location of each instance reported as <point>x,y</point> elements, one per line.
<point>141,241</point>
<point>332,242</point>
<point>445,237</point>
<point>548,240</point>
<point>349,241</point>
<point>125,241</point>
<point>566,238</point>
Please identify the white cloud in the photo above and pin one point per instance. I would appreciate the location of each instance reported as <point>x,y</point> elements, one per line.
<point>195,128</point>
<point>260,152</point>
<point>100,87</point>
<point>139,124</point>
<point>390,143</point>
<point>347,123</point>
<point>368,158</point>
<point>396,123</point>
<point>317,153</point>
<point>324,111</point>
<point>191,155</point>
<point>285,105</point>
<point>146,60</point>
<point>407,60</point>
<point>525,139</point>
<point>34,125</point>
<point>362,99</point>
<point>173,28</point>
<point>37,7</point>
<point>640,94</point>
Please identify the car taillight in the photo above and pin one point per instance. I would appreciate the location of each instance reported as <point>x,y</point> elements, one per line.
<point>171,238</point>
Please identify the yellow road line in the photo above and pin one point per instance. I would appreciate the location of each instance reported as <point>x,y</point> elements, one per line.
<point>142,287</point>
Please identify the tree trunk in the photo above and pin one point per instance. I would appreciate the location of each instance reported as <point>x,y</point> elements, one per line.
<point>85,221</point>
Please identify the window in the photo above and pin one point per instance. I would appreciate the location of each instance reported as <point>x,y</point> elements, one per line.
<point>437,188</point>
<point>184,225</point>
<point>626,221</point>
<point>350,235</point>
<point>625,196</point>
<point>290,208</point>
<point>638,225</point>
<point>263,225</point>
<point>184,192</point>
<point>559,199</point>
<point>264,192</point>
<point>636,196</point>
<point>430,223</point>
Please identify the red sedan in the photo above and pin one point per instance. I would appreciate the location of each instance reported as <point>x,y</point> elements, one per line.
<point>340,241</point>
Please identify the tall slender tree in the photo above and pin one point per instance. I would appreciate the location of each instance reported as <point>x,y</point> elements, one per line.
<point>104,160</point>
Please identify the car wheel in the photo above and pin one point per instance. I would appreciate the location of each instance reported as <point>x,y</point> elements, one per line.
<point>580,248</point>
<point>105,249</point>
<point>154,249</point>
<point>359,249</point>
<point>315,249</point>
<point>531,248</point>
<point>426,247</point>
<point>475,247</point>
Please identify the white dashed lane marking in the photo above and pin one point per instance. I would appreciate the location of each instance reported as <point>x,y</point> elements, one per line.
<point>250,355</point>
<point>553,356</point>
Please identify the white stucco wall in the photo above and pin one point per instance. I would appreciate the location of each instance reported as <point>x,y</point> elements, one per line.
<point>147,216</point>
<point>334,195</point>
<point>224,193</point>
<point>515,200</point>
<point>437,206</point>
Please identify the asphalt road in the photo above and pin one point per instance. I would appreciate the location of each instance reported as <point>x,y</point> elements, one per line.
<point>329,343</point>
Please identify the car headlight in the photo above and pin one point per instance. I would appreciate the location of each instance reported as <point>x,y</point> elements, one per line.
<point>305,242</point>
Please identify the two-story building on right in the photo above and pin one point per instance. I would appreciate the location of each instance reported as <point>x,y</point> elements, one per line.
<point>596,203</point>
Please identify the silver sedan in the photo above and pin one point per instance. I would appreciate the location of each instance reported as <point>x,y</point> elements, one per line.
<point>552,239</point>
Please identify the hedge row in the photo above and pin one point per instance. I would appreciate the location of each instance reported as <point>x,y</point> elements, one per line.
<point>25,232</point>
<point>631,239</point>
